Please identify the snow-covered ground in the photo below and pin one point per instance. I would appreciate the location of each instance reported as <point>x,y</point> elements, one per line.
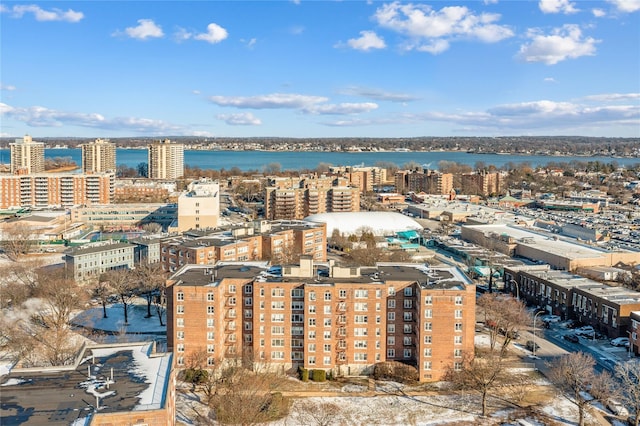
<point>93,318</point>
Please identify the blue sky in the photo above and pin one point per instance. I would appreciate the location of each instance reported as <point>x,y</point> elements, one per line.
<point>320,68</point>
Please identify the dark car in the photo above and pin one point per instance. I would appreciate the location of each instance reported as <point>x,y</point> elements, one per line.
<point>532,346</point>
<point>571,338</point>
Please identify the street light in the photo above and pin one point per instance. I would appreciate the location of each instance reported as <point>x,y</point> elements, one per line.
<point>535,317</point>
<point>630,345</point>
<point>515,283</point>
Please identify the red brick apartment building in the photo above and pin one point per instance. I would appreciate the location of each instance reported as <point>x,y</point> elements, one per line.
<point>264,240</point>
<point>318,315</point>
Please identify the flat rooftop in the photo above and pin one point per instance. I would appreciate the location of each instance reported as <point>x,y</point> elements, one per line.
<point>50,396</point>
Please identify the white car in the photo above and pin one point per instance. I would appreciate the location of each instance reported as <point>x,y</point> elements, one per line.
<point>587,330</point>
<point>620,341</point>
<point>550,318</point>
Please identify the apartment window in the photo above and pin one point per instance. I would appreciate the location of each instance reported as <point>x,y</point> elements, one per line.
<point>248,313</point>
<point>262,292</point>
<point>312,360</point>
<point>408,316</point>
<point>361,319</point>
<point>342,294</point>
<point>327,310</point>
<point>209,297</point>
<point>297,292</point>
<point>457,353</point>
<point>407,341</point>
<point>391,291</point>
<point>248,338</point>
<point>312,347</point>
<point>277,304</point>
<point>360,307</point>
<point>327,296</point>
<point>180,322</point>
<point>180,309</point>
<point>248,289</point>
<point>262,305</point>
<point>359,331</point>
<point>391,328</point>
<point>457,340</point>
<point>361,294</point>
<point>297,331</point>
<point>391,316</point>
<point>360,344</point>
<point>277,330</point>
<point>210,322</point>
<point>457,366</point>
<point>327,360</point>
<point>261,318</point>
<point>210,348</point>
<point>312,334</point>
<point>248,301</point>
<point>458,313</point>
<point>277,343</point>
<point>407,328</point>
<point>427,352</point>
<point>458,326</point>
<point>327,334</point>
<point>296,306</point>
<point>391,353</point>
<point>312,295</point>
<point>231,301</point>
<point>210,310</point>
<point>180,347</point>
<point>312,309</point>
<point>312,322</point>
<point>428,300</point>
<point>180,296</point>
<point>277,292</point>
<point>261,329</point>
<point>408,291</point>
<point>277,317</point>
<point>327,347</point>
<point>231,288</point>
<point>406,353</point>
<point>327,322</point>
<point>210,335</point>
<point>359,357</point>
<point>277,355</point>
<point>297,317</point>
<point>428,326</point>
<point>378,319</point>
<point>408,303</point>
<point>458,300</point>
<point>426,365</point>
<point>391,340</point>
<point>428,313</point>
<point>180,335</point>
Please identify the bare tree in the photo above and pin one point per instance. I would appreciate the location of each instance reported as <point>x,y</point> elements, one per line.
<point>320,414</point>
<point>18,239</point>
<point>101,290</point>
<point>152,227</point>
<point>503,315</point>
<point>628,374</point>
<point>575,375</point>
<point>124,285</point>
<point>479,374</point>
<point>151,280</point>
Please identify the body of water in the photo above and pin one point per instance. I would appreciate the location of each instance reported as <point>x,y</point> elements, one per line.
<point>294,160</point>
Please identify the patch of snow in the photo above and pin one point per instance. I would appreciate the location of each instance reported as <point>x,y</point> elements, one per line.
<point>5,368</point>
<point>93,318</point>
<point>14,382</point>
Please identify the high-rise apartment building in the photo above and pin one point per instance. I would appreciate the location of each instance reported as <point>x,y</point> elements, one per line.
<point>199,207</point>
<point>288,198</point>
<point>98,156</point>
<point>428,181</point>
<point>56,189</point>
<point>27,156</point>
<point>482,183</point>
<point>321,316</point>
<point>166,160</point>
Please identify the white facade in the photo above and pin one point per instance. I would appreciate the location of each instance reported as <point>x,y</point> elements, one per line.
<point>199,208</point>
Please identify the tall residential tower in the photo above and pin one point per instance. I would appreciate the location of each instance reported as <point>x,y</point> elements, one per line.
<point>98,156</point>
<point>166,160</point>
<point>27,156</point>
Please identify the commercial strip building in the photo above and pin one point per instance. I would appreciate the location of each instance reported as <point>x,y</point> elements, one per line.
<point>114,384</point>
<point>321,316</point>
<point>607,308</point>
<point>261,240</point>
<point>50,190</point>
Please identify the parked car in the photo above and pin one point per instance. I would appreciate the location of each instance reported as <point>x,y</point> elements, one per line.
<point>531,345</point>
<point>586,330</point>
<point>617,408</point>
<point>620,341</point>
<point>571,338</point>
<point>550,318</point>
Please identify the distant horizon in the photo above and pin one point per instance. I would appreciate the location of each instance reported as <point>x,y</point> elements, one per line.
<point>330,69</point>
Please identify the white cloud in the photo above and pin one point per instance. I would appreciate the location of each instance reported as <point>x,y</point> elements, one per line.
<point>340,109</point>
<point>182,35</point>
<point>368,40</point>
<point>432,30</point>
<point>487,2</point>
<point>563,43</point>
<point>550,80</point>
<point>557,6</point>
<point>598,13</point>
<point>240,119</point>
<point>38,116</point>
<point>274,100</point>
<point>7,87</point>
<point>377,94</point>
<point>627,6</point>
<point>146,29</point>
<point>613,97</point>
<point>18,11</point>
<point>249,43</point>
<point>215,34</point>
